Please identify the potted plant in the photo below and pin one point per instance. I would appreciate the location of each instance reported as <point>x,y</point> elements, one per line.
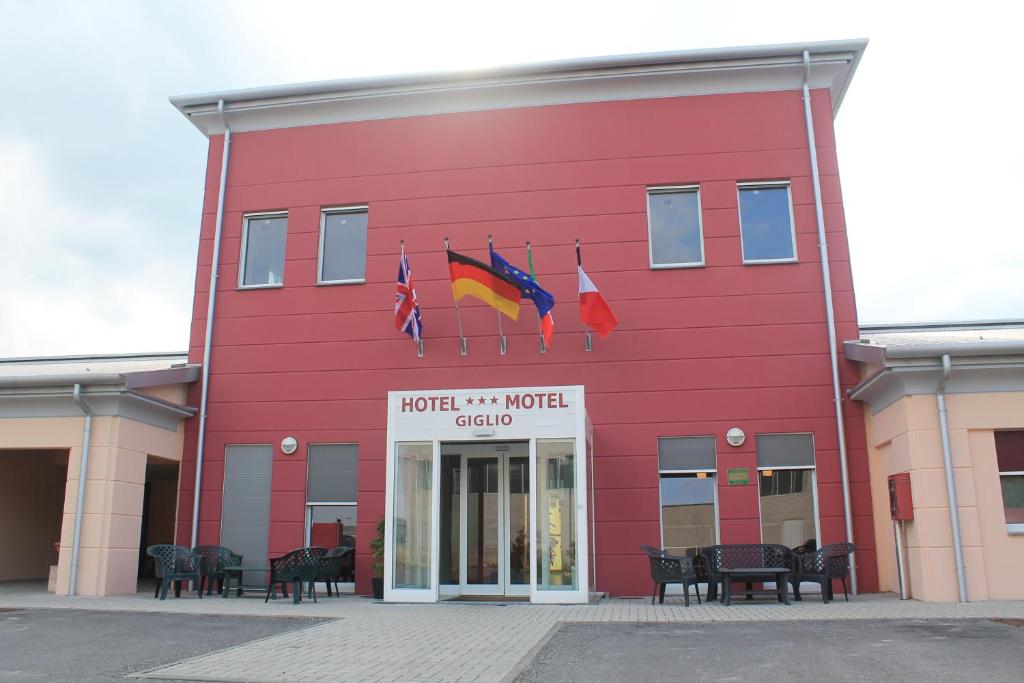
<point>377,552</point>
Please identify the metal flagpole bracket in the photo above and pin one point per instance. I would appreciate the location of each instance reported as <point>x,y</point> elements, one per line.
<point>589,341</point>
<point>540,326</point>
<point>502,341</point>
<point>419,349</point>
<point>463,344</point>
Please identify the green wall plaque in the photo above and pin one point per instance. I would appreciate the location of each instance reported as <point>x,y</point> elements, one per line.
<point>738,476</point>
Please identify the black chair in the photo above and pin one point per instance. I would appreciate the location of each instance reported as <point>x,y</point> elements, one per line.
<point>666,569</point>
<point>217,563</point>
<point>297,567</point>
<point>821,567</point>
<point>174,563</point>
<point>338,565</point>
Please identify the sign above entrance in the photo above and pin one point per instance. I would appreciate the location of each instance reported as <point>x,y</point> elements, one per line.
<point>467,410</point>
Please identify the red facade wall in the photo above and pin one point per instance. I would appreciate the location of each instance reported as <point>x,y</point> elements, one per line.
<point>697,351</point>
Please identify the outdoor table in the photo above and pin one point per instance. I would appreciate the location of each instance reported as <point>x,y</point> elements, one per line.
<point>232,572</point>
<point>751,574</point>
<point>296,586</point>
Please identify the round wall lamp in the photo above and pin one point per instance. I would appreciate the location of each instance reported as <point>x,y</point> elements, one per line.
<point>735,436</point>
<point>288,445</point>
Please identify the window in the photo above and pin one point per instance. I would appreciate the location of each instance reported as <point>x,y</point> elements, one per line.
<point>675,236</point>
<point>1010,457</point>
<point>331,486</point>
<point>262,259</point>
<point>766,223</point>
<point>343,245</point>
<point>688,494</point>
<point>785,464</point>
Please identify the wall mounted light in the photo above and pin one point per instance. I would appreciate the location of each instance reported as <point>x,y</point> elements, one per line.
<point>735,436</point>
<point>288,445</point>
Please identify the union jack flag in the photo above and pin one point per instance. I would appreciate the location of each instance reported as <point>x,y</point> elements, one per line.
<point>407,309</point>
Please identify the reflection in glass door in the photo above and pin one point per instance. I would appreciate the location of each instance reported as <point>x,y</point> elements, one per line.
<point>483,521</point>
<point>518,478</point>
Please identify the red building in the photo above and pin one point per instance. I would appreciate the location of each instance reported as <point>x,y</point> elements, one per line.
<point>686,176</point>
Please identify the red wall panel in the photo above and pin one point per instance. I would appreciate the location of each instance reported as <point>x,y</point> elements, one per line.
<point>698,350</point>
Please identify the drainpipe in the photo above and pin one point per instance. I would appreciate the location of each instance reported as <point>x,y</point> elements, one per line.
<point>830,314</point>
<point>82,471</point>
<point>214,266</point>
<point>947,461</point>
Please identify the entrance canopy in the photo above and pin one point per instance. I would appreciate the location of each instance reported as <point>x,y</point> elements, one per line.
<point>541,432</point>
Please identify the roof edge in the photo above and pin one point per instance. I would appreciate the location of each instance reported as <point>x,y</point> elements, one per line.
<point>291,95</point>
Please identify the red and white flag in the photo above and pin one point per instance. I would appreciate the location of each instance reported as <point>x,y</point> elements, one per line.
<point>594,310</point>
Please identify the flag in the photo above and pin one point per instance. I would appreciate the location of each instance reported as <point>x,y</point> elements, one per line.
<point>594,310</point>
<point>478,280</point>
<point>531,290</point>
<point>407,309</point>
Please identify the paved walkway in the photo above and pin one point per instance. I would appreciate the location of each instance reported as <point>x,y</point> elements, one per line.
<point>370,641</point>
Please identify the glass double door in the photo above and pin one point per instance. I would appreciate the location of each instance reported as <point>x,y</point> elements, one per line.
<point>485,519</point>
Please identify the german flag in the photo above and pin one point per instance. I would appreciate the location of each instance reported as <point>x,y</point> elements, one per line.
<point>473,278</point>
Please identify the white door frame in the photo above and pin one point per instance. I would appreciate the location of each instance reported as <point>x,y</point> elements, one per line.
<point>449,416</point>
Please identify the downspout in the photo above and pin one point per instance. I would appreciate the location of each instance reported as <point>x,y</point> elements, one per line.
<point>214,266</point>
<point>83,470</point>
<point>947,461</point>
<point>830,314</point>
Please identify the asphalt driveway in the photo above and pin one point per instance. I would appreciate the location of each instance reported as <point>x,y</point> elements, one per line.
<point>918,650</point>
<point>80,645</point>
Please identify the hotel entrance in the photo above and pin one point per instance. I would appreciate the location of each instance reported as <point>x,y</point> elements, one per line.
<point>487,496</point>
<point>485,533</point>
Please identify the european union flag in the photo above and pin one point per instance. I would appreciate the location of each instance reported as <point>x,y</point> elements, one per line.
<point>541,298</point>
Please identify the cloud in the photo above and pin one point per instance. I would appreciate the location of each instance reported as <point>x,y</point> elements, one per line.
<point>78,280</point>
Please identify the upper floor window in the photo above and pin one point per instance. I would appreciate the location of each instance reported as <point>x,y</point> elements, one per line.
<point>1010,458</point>
<point>343,245</point>
<point>263,239</point>
<point>675,236</point>
<point>766,222</point>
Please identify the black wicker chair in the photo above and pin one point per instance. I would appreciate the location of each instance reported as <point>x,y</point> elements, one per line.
<point>821,567</point>
<point>750,555</point>
<point>666,569</point>
<point>216,563</point>
<point>174,563</point>
<point>338,565</point>
<point>297,567</point>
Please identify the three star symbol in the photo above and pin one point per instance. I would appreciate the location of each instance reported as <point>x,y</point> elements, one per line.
<point>481,400</point>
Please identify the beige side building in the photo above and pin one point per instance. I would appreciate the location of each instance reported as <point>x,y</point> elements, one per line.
<point>124,415</point>
<point>945,404</point>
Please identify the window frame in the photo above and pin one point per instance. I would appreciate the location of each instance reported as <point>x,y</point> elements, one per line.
<point>814,482</point>
<point>246,217</point>
<point>330,210</point>
<point>753,185</point>
<point>712,474</point>
<point>670,189</point>
<point>1010,528</point>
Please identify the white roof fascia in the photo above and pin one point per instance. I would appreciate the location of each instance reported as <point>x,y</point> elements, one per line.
<point>592,79</point>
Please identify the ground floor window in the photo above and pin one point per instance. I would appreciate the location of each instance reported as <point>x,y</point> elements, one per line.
<point>1010,457</point>
<point>331,491</point>
<point>785,464</point>
<point>413,518</point>
<point>689,510</point>
<point>556,514</point>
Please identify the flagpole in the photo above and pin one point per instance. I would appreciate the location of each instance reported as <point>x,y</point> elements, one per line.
<point>503,343</point>
<point>540,327</point>
<point>463,344</point>
<point>579,263</point>
<point>419,338</point>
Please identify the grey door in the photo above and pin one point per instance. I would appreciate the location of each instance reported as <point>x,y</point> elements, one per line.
<point>245,519</point>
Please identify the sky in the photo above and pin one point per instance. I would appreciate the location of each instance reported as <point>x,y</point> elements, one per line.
<point>101,178</point>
